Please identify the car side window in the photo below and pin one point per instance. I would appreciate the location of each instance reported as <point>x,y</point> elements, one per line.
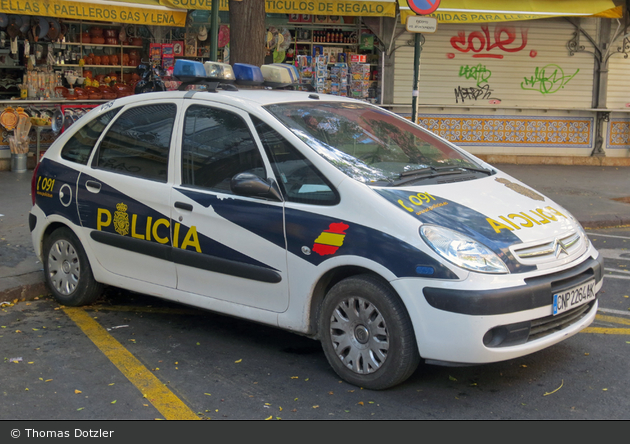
<point>79,147</point>
<point>138,142</point>
<point>217,145</point>
<point>299,180</point>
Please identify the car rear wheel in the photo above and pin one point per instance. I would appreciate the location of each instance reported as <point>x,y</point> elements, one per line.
<point>68,271</point>
<point>366,333</point>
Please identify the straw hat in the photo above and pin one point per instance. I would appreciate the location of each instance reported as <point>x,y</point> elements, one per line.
<point>202,35</point>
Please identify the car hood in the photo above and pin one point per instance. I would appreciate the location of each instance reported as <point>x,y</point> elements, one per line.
<point>497,211</point>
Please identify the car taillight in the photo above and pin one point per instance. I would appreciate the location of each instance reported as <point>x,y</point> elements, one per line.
<point>34,183</point>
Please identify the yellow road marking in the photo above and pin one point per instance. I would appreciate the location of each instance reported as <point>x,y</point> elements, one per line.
<point>607,331</point>
<point>612,319</point>
<point>169,405</point>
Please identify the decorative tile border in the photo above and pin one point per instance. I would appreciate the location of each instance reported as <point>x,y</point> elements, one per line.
<point>618,133</point>
<point>526,131</point>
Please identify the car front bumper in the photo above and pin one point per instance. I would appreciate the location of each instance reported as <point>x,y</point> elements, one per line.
<point>491,318</point>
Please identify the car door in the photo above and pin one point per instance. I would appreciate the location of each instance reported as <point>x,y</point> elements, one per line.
<point>226,246</point>
<point>123,199</point>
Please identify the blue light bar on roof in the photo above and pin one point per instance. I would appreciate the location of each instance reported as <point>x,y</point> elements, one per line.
<point>247,74</point>
<point>186,70</point>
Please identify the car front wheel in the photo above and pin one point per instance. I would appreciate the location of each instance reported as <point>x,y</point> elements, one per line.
<point>67,270</point>
<point>366,333</point>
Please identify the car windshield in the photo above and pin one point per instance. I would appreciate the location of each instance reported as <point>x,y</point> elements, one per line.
<point>369,144</point>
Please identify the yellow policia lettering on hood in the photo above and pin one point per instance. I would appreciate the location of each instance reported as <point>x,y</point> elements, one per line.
<point>150,227</point>
<point>514,221</point>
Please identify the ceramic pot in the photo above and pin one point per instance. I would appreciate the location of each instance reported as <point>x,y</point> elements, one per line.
<point>96,31</point>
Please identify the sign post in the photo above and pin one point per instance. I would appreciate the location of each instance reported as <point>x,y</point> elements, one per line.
<point>419,25</point>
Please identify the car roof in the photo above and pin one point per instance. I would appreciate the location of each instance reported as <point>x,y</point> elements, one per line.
<point>244,97</point>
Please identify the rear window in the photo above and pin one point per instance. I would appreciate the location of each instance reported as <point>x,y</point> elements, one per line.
<point>138,142</point>
<point>80,146</point>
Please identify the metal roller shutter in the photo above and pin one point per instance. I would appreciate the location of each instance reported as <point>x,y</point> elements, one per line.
<point>521,64</point>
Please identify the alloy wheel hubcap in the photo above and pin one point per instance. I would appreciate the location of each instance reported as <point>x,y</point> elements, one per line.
<point>63,267</point>
<point>359,335</point>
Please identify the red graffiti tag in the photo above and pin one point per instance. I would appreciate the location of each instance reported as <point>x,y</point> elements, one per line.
<point>478,41</point>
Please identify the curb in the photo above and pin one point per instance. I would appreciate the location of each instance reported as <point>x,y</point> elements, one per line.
<point>554,160</point>
<point>26,292</point>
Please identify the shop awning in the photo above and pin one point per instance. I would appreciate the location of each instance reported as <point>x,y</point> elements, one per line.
<point>481,11</point>
<point>145,12</point>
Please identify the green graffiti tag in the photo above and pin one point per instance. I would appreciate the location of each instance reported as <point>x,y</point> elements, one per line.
<point>480,73</point>
<point>547,80</point>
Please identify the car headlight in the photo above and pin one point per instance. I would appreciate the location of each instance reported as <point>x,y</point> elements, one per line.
<point>580,229</point>
<point>461,250</point>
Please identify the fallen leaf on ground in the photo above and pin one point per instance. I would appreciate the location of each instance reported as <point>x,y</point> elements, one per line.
<point>550,393</point>
<point>114,401</point>
<point>77,391</point>
<point>236,362</point>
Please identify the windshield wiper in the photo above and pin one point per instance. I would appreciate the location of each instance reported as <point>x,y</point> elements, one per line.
<point>430,172</point>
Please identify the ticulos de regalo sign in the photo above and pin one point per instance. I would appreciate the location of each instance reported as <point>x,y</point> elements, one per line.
<point>97,12</point>
<point>337,7</point>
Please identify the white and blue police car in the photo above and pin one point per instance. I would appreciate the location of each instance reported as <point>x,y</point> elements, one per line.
<point>319,214</point>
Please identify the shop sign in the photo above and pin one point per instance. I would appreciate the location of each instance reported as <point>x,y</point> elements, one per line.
<point>195,4</point>
<point>419,23</point>
<point>95,11</point>
<point>323,7</point>
<point>358,58</point>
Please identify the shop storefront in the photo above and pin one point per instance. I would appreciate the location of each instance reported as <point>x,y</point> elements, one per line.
<point>501,83</point>
<point>60,58</point>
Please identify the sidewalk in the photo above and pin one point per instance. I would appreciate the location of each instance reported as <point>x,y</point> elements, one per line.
<point>599,196</point>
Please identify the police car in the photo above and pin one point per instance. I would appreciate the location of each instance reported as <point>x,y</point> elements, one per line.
<point>319,214</point>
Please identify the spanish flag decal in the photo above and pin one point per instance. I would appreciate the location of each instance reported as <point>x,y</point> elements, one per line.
<point>330,240</point>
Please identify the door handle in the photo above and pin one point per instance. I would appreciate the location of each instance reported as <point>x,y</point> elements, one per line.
<point>183,206</point>
<point>93,186</point>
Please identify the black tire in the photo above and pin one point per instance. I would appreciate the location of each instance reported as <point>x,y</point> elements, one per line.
<point>67,270</point>
<point>366,333</point>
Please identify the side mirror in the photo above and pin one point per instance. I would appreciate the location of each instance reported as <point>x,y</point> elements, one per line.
<point>248,184</point>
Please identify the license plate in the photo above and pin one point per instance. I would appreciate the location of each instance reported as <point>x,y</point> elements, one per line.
<point>573,297</point>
